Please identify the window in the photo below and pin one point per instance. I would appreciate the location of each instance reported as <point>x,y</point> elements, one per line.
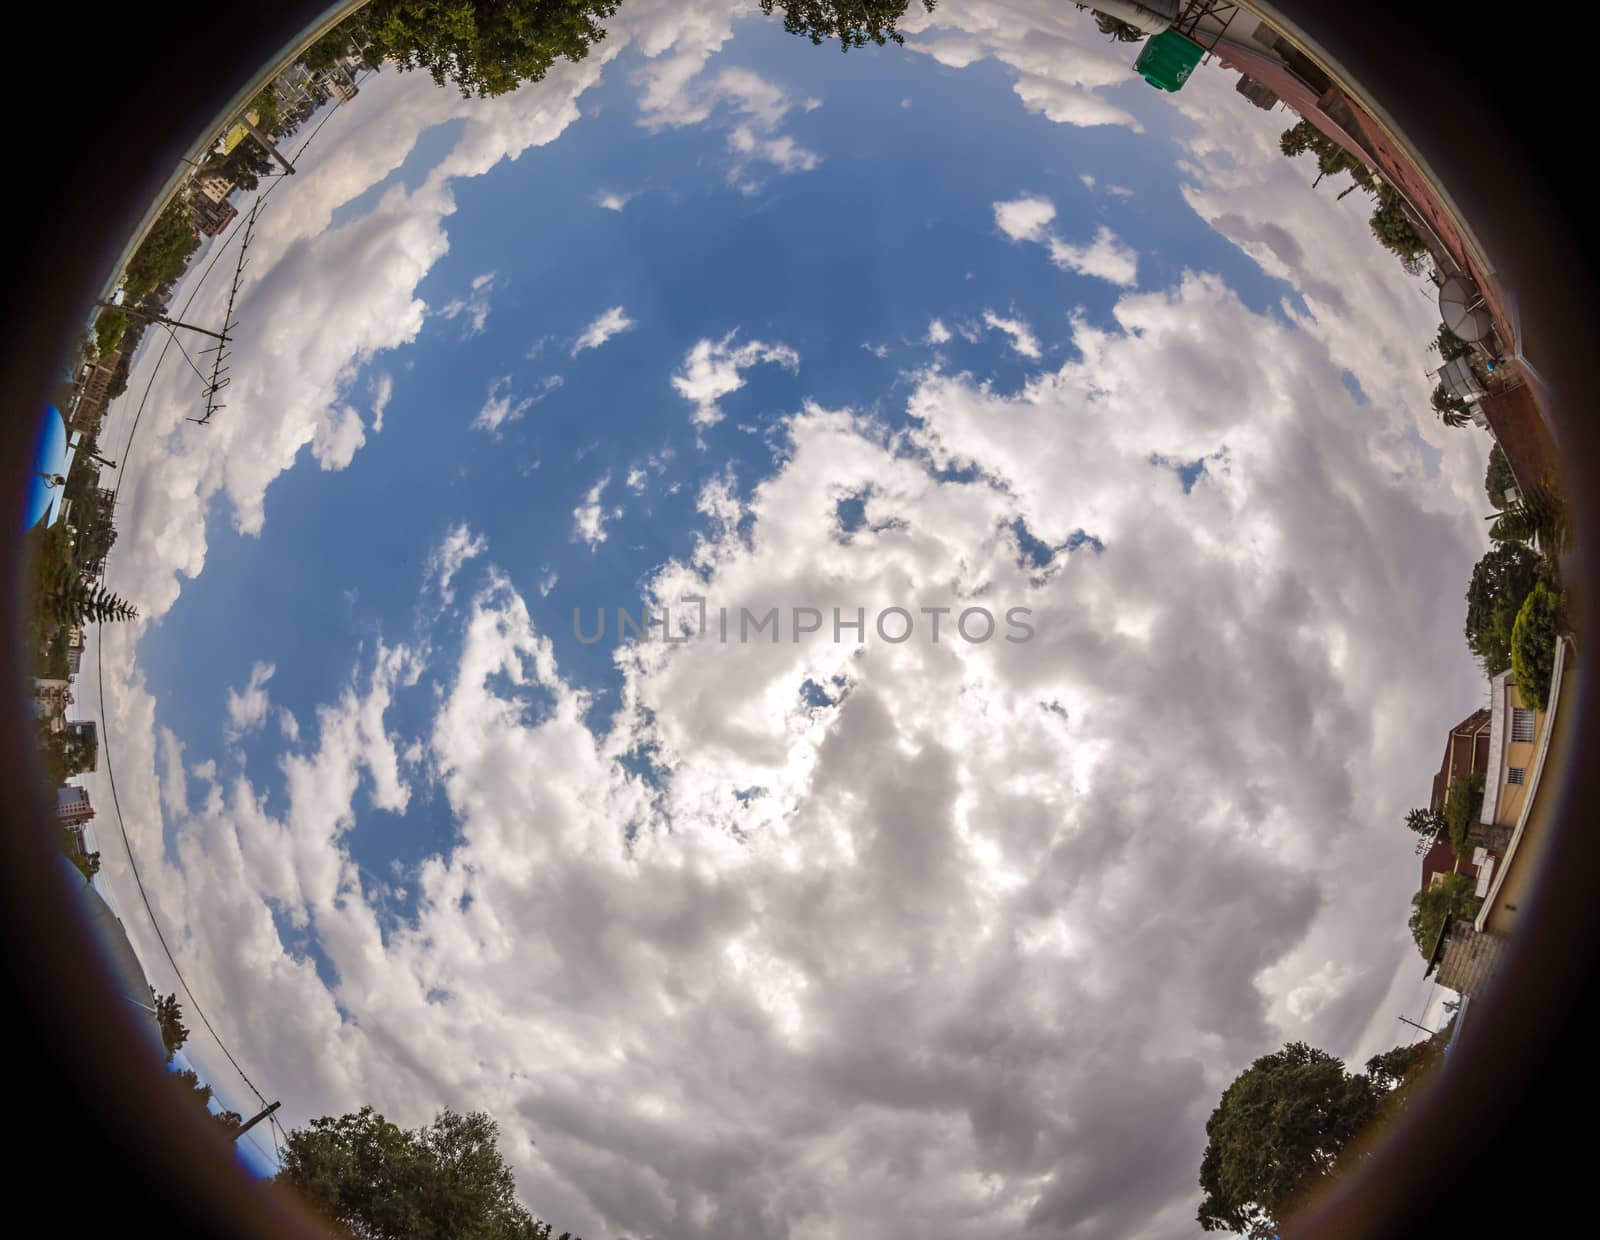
<point>1521,724</point>
<point>1515,775</point>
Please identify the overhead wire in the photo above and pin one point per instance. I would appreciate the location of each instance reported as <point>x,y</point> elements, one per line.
<point>105,749</point>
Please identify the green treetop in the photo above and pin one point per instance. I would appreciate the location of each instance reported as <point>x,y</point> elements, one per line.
<point>377,1181</point>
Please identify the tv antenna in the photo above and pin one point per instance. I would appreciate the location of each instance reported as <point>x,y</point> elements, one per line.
<point>220,351</point>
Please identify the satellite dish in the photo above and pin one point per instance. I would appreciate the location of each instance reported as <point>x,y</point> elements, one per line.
<point>1462,310</point>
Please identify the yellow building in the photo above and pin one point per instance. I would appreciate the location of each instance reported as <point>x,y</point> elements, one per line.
<point>1514,730</point>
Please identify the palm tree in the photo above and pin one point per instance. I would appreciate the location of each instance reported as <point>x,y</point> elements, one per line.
<point>1452,410</point>
<point>1539,517</point>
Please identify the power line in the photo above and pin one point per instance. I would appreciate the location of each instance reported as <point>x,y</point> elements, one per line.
<point>105,731</point>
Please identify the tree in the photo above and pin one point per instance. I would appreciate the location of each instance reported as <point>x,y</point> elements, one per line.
<point>1276,1133</point>
<point>1429,824</point>
<point>1500,581</point>
<point>164,253</point>
<point>485,47</point>
<point>1450,345</point>
<point>376,1181</point>
<point>229,1121</point>
<point>170,1017</point>
<point>1539,516</point>
<point>1450,896</point>
<point>1391,225</point>
<point>70,598</point>
<point>109,328</point>
<point>1331,158</point>
<point>1452,410</point>
<point>852,22</point>
<point>1119,31</point>
<point>1498,478</point>
<point>88,863</point>
<point>1533,644</point>
<point>1393,1067</point>
<point>1463,801</point>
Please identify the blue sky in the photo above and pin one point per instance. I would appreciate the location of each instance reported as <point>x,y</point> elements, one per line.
<point>452,878</point>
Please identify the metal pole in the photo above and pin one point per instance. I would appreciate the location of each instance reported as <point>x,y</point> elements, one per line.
<point>161,318</point>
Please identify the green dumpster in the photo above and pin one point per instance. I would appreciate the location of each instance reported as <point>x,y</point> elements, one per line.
<point>1168,59</point>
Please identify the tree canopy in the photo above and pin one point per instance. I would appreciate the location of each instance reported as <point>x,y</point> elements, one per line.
<point>1428,824</point>
<point>70,598</point>
<point>1504,577</point>
<point>1392,226</point>
<point>1452,410</point>
<point>853,22</point>
<point>377,1181</point>
<point>170,1017</point>
<point>1538,516</point>
<point>229,1121</point>
<point>1463,801</point>
<point>1533,644</point>
<point>1332,159</point>
<point>164,253</point>
<point>1448,898</point>
<point>485,48</point>
<point>1276,1133</point>
<point>1498,478</point>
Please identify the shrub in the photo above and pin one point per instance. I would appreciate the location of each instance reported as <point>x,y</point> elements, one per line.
<point>1533,644</point>
<point>1463,802</point>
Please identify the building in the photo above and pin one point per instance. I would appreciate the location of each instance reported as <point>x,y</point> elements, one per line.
<point>50,701</point>
<point>1257,93</point>
<point>93,393</point>
<point>82,741</point>
<point>1528,749</point>
<point>75,646</point>
<point>1514,727</point>
<point>212,217</point>
<point>212,186</point>
<point>72,806</point>
<point>1466,749</point>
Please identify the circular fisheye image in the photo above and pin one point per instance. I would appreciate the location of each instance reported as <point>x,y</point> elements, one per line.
<point>747,620</point>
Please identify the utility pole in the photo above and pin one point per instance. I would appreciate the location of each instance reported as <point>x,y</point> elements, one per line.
<point>256,1119</point>
<point>159,318</point>
<point>267,143</point>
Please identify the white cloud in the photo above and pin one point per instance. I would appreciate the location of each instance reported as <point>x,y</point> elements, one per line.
<point>458,545</point>
<point>474,307</point>
<point>712,370</point>
<point>1063,68</point>
<point>499,407</point>
<point>1023,340</point>
<point>382,390</point>
<point>1025,219</point>
<point>611,201</point>
<point>247,711</point>
<point>174,785</point>
<point>938,333</point>
<point>335,441</point>
<point>689,1003</point>
<point>590,517</point>
<point>748,105</point>
<point>612,322</point>
<point>1029,218</point>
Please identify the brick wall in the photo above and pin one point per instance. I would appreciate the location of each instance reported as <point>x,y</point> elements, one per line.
<point>1469,958</point>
